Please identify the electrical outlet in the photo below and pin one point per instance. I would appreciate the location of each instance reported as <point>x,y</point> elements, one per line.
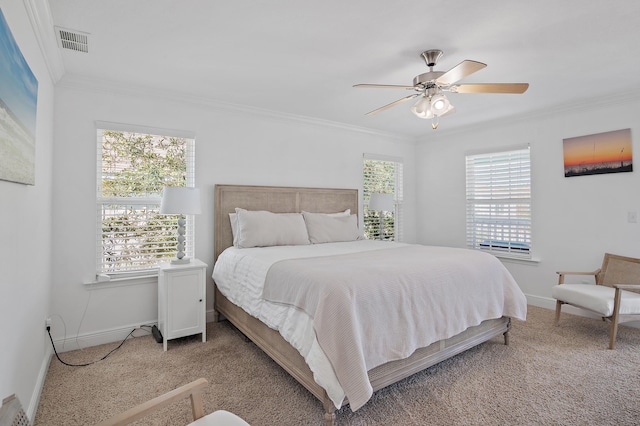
<point>47,322</point>
<point>632,216</point>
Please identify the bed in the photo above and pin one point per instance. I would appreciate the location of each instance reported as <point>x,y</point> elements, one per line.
<point>302,348</point>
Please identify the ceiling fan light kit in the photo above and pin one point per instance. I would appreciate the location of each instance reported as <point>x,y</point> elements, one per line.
<point>422,108</point>
<point>431,85</point>
<point>439,104</point>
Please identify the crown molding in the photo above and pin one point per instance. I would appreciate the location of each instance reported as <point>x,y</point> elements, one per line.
<point>91,84</point>
<point>586,104</point>
<point>42,23</point>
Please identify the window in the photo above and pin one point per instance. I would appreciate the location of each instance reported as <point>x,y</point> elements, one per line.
<point>382,175</point>
<point>499,202</point>
<point>134,164</point>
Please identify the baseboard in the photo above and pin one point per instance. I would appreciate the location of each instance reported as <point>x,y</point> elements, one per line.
<point>106,336</point>
<point>541,302</point>
<point>210,316</point>
<point>32,409</point>
<point>118,334</point>
<point>86,340</point>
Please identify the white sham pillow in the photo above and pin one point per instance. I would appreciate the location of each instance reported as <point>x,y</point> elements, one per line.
<point>260,228</point>
<point>323,228</point>
<point>234,221</point>
<point>347,212</point>
<point>234,225</point>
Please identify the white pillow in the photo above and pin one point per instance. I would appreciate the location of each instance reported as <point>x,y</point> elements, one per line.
<point>347,212</point>
<point>234,220</point>
<point>234,225</point>
<point>263,229</point>
<point>323,228</point>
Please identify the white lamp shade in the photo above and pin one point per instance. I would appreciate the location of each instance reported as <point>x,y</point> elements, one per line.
<point>439,104</point>
<point>381,202</point>
<point>422,108</point>
<point>180,200</point>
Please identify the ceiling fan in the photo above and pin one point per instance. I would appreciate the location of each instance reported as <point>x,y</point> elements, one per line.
<point>430,86</point>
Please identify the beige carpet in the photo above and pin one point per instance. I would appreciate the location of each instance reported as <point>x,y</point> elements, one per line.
<point>546,376</point>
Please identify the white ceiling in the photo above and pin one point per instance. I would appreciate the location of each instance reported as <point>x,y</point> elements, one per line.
<point>302,57</point>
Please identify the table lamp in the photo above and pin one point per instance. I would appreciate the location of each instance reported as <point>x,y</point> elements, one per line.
<point>181,201</point>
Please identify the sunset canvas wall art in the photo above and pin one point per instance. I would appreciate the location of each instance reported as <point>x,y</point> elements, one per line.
<point>18,102</point>
<point>608,152</point>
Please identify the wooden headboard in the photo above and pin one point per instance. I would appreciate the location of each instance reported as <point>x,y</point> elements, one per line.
<point>277,199</point>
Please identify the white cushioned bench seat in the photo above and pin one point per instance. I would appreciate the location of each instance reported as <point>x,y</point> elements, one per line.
<point>597,298</point>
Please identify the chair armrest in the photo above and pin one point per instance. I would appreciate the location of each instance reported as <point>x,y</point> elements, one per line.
<point>561,274</point>
<point>627,286</point>
<point>193,389</point>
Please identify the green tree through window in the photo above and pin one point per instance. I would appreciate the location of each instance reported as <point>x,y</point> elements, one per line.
<point>133,168</point>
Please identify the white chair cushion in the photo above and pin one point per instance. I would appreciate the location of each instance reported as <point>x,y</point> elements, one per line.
<point>597,298</point>
<point>220,418</point>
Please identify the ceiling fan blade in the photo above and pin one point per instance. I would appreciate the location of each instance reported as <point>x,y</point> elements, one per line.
<point>382,86</point>
<point>490,88</point>
<point>460,71</point>
<point>392,104</point>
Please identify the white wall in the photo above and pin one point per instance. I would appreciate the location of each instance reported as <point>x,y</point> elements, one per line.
<point>575,220</point>
<point>232,147</point>
<point>25,233</point>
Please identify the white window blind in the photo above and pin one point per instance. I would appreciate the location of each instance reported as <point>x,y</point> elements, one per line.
<point>133,168</point>
<point>499,202</point>
<point>383,174</point>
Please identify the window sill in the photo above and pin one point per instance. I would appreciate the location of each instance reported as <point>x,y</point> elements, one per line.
<point>150,278</point>
<point>506,258</point>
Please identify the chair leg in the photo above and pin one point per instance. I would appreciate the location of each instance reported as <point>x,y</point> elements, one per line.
<point>614,319</point>
<point>558,308</point>
<point>613,333</point>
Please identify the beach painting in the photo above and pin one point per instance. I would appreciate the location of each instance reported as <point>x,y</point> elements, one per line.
<point>608,152</point>
<point>18,101</point>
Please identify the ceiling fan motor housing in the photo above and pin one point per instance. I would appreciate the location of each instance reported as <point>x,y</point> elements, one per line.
<point>423,80</point>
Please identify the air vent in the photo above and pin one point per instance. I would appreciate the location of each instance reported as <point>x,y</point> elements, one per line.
<point>73,40</point>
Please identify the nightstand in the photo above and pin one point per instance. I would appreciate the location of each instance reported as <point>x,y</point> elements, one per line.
<point>181,300</point>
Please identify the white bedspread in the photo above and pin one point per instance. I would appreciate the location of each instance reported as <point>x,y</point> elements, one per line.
<point>370,308</point>
<point>240,275</point>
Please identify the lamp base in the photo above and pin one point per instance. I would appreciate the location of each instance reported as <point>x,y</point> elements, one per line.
<point>182,261</point>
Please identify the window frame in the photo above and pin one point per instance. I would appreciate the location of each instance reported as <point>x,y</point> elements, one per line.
<point>498,211</point>
<point>151,201</point>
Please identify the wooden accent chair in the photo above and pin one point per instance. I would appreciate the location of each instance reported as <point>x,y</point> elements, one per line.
<point>193,390</point>
<point>614,296</point>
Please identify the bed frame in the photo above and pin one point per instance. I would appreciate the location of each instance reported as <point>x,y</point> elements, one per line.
<point>321,200</point>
